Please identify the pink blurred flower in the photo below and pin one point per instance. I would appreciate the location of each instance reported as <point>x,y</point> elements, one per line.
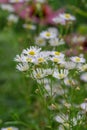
<point>3,1</point>
<point>42,13</point>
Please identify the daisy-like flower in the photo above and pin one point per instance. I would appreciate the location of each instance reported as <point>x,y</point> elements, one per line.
<point>67,17</point>
<point>69,65</point>
<point>84,106</point>
<point>29,26</point>
<point>58,54</point>
<point>58,60</point>
<point>32,51</point>
<point>78,39</point>
<point>20,58</point>
<point>69,81</point>
<point>61,118</point>
<point>56,42</point>
<point>59,20</point>
<point>77,59</point>
<point>53,30</point>
<point>47,35</point>
<point>9,128</point>
<point>22,67</point>
<point>82,67</point>
<point>60,74</point>
<point>83,77</point>
<point>12,18</point>
<point>40,41</point>
<point>39,74</point>
<point>7,7</point>
<point>40,59</point>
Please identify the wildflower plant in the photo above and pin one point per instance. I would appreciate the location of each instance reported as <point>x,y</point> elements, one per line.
<point>56,76</point>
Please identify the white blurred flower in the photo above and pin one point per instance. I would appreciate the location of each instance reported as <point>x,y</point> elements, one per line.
<point>61,118</point>
<point>78,39</point>
<point>83,77</point>
<point>12,18</point>
<point>9,128</point>
<point>56,42</point>
<point>61,74</point>
<point>7,7</point>
<point>47,35</point>
<point>82,67</point>
<point>29,26</point>
<point>58,54</point>
<point>59,20</point>
<point>77,59</point>
<point>70,81</point>
<point>67,16</point>
<point>58,60</point>
<point>32,51</point>
<point>53,30</point>
<point>69,65</point>
<point>40,41</point>
<point>22,67</point>
<point>84,106</point>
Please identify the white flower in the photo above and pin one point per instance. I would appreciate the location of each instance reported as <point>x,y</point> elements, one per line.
<point>47,35</point>
<point>84,77</point>
<point>67,16</point>
<point>29,26</point>
<point>77,59</point>
<point>58,60</point>
<point>58,54</point>
<point>22,67</point>
<point>61,118</point>
<point>56,42</point>
<point>59,20</point>
<point>40,41</point>
<point>69,82</point>
<point>20,58</point>
<point>84,106</point>
<point>40,59</point>
<point>53,30</point>
<point>61,74</point>
<point>32,51</point>
<point>9,128</point>
<point>7,7</point>
<point>12,18</point>
<point>39,74</point>
<point>82,67</point>
<point>69,65</point>
<point>78,39</point>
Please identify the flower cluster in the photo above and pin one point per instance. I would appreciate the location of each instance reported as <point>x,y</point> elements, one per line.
<point>41,64</point>
<point>50,37</point>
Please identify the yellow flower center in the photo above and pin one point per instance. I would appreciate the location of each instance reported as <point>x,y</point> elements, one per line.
<point>67,15</point>
<point>78,59</point>
<point>32,52</point>
<point>40,59</point>
<point>57,53</point>
<point>56,60</point>
<point>38,75</point>
<point>40,41</point>
<point>48,34</point>
<point>29,59</point>
<point>61,76</point>
<point>9,128</point>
